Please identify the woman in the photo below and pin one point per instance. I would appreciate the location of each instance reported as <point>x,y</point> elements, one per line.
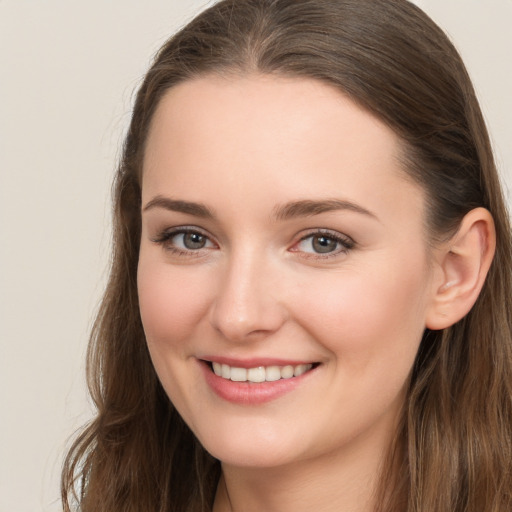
<point>309,303</point>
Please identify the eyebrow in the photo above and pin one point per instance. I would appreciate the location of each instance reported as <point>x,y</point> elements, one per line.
<point>176,205</point>
<point>308,208</point>
<point>302,208</point>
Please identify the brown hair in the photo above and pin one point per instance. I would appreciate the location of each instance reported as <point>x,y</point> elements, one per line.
<point>453,450</point>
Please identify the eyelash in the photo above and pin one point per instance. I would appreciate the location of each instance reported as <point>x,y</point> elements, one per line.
<point>344,242</point>
<point>165,240</point>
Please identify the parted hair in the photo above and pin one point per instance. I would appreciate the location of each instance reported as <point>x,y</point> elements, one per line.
<point>453,448</point>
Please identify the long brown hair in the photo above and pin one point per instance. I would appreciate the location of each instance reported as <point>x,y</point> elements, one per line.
<point>453,450</point>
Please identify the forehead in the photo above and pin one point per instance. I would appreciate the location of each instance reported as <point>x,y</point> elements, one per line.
<point>273,137</point>
<point>252,110</point>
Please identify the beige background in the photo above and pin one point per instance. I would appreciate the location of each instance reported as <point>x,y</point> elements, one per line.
<point>68,70</point>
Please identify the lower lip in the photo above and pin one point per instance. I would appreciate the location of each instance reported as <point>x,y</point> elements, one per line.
<point>250,393</point>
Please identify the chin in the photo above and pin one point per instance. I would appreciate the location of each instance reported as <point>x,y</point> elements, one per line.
<point>250,458</point>
<point>254,451</point>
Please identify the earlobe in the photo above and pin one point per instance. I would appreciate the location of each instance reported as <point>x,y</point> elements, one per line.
<point>462,266</point>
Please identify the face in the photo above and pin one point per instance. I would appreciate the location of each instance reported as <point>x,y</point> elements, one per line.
<point>283,278</point>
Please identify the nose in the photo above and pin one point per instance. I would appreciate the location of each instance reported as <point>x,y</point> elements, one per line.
<point>248,305</point>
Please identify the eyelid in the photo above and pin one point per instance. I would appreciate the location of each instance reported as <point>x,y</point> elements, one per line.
<point>346,242</point>
<point>177,230</point>
<point>164,238</point>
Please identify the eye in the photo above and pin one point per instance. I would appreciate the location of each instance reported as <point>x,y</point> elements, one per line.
<point>191,241</point>
<point>324,243</point>
<point>184,240</point>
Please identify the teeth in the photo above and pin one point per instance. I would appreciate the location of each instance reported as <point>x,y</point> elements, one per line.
<point>272,373</point>
<point>300,369</point>
<point>238,374</point>
<point>260,373</point>
<point>287,372</point>
<point>256,374</point>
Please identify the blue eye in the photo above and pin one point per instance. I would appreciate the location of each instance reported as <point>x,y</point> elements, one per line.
<point>324,244</point>
<point>184,240</point>
<point>191,241</point>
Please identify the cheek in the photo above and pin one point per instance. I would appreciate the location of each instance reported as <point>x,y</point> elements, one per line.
<point>171,302</point>
<point>360,314</point>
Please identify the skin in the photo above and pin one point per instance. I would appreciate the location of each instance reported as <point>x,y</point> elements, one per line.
<point>243,147</point>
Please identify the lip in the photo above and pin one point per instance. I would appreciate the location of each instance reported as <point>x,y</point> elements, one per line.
<point>254,362</point>
<point>250,393</point>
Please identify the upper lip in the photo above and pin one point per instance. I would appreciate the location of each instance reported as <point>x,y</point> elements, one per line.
<point>255,362</point>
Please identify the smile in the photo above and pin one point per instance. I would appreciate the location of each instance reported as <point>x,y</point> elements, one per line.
<point>252,383</point>
<point>259,373</point>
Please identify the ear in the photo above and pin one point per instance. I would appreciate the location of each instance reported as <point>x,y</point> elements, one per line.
<point>462,264</point>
